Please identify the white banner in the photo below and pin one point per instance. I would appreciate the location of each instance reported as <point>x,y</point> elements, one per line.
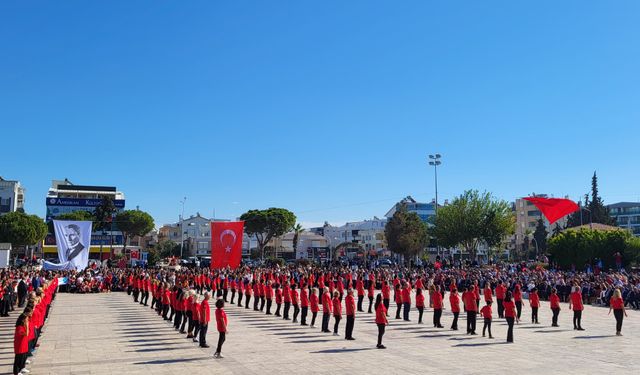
<point>73,239</point>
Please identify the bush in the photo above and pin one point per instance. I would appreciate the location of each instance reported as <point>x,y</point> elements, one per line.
<point>578,247</point>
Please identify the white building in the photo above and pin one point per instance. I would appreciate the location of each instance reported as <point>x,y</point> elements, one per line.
<point>11,196</point>
<point>368,233</point>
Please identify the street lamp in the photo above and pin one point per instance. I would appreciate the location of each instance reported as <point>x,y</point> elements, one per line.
<point>434,160</point>
<point>182,226</point>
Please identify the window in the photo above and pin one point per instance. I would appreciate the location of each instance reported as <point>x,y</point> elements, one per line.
<point>533,213</point>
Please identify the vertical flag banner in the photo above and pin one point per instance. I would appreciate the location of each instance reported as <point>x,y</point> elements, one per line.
<point>226,244</point>
<point>554,208</point>
<point>73,239</point>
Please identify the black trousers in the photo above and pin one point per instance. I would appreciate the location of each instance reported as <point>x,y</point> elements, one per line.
<point>19,363</point>
<point>471,321</point>
<point>256,303</point>
<point>325,322</point>
<point>519,308</point>
<point>420,312</point>
<point>398,310</point>
<point>278,309</point>
<point>203,334</point>
<point>303,316</point>
<point>437,314</point>
<point>348,333</point>
<point>285,314</point>
<point>619,314</point>
<point>510,329</point>
<point>360,299</point>
<point>239,299</point>
<point>196,329</point>
<point>370,304</point>
<point>184,316</point>
<point>381,328</point>
<point>262,303</point>
<point>190,320</point>
<point>165,310</point>
<point>269,301</point>
<point>454,325</point>
<point>225,292</point>
<point>385,302</point>
<point>247,298</point>
<point>500,309</point>
<point>406,308</point>
<point>178,320</point>
<point>554,319</point>
<point>222,336</point>
<point>233,295</point>
<point>337,323</point>
<point>487,325</point>
<point>313,318</point>
<point>296,311</point>
<point>534,315</point>
<point>577,319</point>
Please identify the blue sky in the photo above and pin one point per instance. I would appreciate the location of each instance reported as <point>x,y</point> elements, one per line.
<point>326,108</point>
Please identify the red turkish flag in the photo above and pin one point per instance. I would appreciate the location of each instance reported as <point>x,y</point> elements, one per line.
<point>554,208</point>
<point>226,244</point>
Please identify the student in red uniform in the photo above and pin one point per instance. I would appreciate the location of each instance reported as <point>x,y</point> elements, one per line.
<point>268,291</point>
<point>554,303</point>
<point>247,294</point>
<point>295,302</point>
<point>517,299</point>
<point>386,295</point>
<point>221,324</point>
<point>617,305</point>
<point>313,301</point>
<point>534,302</point>
<point>469,300</point>
<point>381,320</point>
<point>487,315</point>
<point>488,293</point>
<point>205,317</point>
<point>371,293</point>
<point>286,297</point>
<point>406,300</point>
<point>419,304</point>
<point>232,285</point>
<point>500,294</point>
<point>278,299</point>
<point>454,301</point>
<point>509,314</point>
<point>397,295</point>
<point>327,308</point>
<point>360,289</point>
<point>575,301</point>
<point>436,298</point>
<point>350,304</point>
<point>337,311</point>
<point>21,343</point>
<point>304,303</point>
<point>195,312</point>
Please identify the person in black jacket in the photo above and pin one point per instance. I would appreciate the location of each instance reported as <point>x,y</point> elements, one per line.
<point>22,292</point>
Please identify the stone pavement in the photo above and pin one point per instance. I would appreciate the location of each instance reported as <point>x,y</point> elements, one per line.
<point>109,334</point>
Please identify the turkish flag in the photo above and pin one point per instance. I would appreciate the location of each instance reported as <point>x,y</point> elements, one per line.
<point>226,244</point>
<point>554,208</point>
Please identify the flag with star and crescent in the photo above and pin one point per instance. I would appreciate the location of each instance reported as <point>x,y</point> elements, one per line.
<point>226,244</point>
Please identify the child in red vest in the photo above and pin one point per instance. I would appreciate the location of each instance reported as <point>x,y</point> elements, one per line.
<point>487,315</point>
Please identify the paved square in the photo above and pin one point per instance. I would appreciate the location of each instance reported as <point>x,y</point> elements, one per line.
<point>109,334</point>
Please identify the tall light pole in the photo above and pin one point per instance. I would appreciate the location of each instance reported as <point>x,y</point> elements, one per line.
<point>182,226</point>
<point>434,160</point>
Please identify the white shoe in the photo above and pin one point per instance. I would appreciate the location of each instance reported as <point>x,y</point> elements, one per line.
<point>336,334</point>
<point>28,361</point>
<point>312,326</point>
<point>220,355</point>
<point>25,371</point>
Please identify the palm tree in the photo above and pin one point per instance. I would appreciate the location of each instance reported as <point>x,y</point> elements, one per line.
<point>297,229</point>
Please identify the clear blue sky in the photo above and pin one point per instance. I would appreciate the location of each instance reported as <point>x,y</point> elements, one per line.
<point>326,108</point>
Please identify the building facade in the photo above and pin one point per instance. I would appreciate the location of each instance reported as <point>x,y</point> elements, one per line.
<point>66,197</point>
<point>527,216</point>
<point>627,215</point>
<point>426,211</point>
<point>365,235</point>
<point>11,196</point>
<point>197,235</point>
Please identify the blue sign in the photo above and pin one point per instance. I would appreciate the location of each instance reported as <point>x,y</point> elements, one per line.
<point>80,202</point>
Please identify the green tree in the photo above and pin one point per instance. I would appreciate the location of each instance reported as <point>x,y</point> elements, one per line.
<point>133,223</point>
<point>104,214</point>
<point>406,233</point>
<point>540,235</point>
<point>473,218</point>
<point>592,210</point>
<point>297,229</point>
<point>21,229</point>
<point>578,247</point>
<point>267,224</point>
<point>556,230</point>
